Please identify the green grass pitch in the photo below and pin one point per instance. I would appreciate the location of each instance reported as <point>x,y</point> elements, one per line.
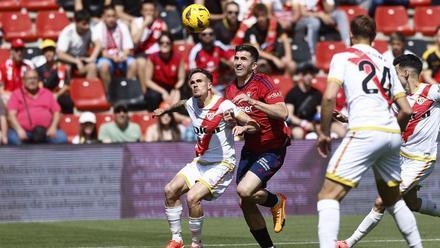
<point>300,231</point>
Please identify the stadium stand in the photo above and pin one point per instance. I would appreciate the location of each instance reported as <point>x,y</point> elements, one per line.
<point>353,11</point>
<point>392,18</point>
<point>88,94</point>
<point>284,82</point>
<point>414,3</point>
<point>143,119</point>
<point>18,25</point>
<point>9,5</point>
<point>127,92</point>
<point>380,45</point>
<point>36,5</point>
<point>70,125</point>
<point>427,19</point>
<point>102,118</point>
<point>325,51</point>
<point>49,24</point>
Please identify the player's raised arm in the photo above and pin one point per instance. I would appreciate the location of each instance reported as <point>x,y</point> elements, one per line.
<point>247,124</point>
<point>160,111</point>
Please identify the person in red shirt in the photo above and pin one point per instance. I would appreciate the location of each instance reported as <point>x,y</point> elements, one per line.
<point>13,69</point>
<point>165,74</point>
<point>210,54</point>
<point>34,114</point>
<point>263,153</point>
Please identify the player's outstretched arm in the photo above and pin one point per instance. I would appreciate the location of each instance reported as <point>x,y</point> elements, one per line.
<point>160,111</point>
<point>274,111</point>
<point>327,105</point>
<point>248,124</point>
<point>405,112</point>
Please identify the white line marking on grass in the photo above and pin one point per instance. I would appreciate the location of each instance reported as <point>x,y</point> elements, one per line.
<point>255,244</point>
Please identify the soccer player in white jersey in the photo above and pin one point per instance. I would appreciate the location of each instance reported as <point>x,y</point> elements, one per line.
<point>373,141</point>
<point>419,150</point>
<point>210,173</point>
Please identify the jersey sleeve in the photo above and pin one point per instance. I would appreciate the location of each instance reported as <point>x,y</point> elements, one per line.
<point>269,91</point>
<point>434,92</point>
<point>227,105</point>
<point>397,90</point>
<point>337,69</point>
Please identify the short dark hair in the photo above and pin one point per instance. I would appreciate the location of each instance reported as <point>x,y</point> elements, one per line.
<point>166,34</point>
<point>149,2</point>
<point>81,15</point>
<point>260,7</point>
<point>120,107</point>
<point>409,60</point>
<point>108,7</point>
<point>364,27</point>
<point>397,36</point>
<point>199,70</point>
<point>250,49</point>
<point>231,3</point>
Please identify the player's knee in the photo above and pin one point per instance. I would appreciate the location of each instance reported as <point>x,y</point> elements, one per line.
<point>192,199</point>
<point>170,191</point>
<point>378,205</point>
<point>243,192</point>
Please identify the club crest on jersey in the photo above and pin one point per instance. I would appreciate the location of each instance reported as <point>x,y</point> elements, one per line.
<point>210,116</point>
<point>421,100</point>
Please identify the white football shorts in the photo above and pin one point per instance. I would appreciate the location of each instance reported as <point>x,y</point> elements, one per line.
<point>362,150</point>
<point>215,176</point>
<point>414,172</point>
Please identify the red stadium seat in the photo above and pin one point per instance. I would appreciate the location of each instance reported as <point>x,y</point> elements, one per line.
<point>392,18</point>
<point>4,55</point>
<point>285,83</point>
<point>427,19</point>
<point>18,25</point>
<point>88,94</point>
<point>144,120</point>
<point>184,49</point>
<point>415,3</point>
<point>103,118</point>
<point>36,5</point>
<point>9,5</point>
<point>50,23</point>
<point>325,51</point>
<point>320,83</point>
<point>380,45</point>
<point>352,11</point>
<point>70,125</point>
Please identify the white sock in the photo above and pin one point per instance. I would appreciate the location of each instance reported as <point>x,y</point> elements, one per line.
<point>173,216</point>
<point>369,222</point>
<point>406,222</point>
<point>195,226</point>
<point>328,226</point>
<point>429,207</point>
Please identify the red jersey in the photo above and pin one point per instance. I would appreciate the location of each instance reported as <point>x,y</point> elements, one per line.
<point>165,73</point>
<point>11,74</point>
<point>210,61</point>
<point>274,133</point>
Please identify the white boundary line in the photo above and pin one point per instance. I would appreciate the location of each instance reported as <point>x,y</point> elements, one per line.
<point>255,244</point>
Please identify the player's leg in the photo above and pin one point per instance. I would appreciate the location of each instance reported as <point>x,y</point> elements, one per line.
<point>387,171</point>
<point>173,209</point>
<point>194,200</point>
<point>368,223</point>
<point>413,173</point>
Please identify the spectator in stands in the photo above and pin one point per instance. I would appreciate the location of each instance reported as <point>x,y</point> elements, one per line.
<point>431,73</point>
<point>397,45</point>
<point>94,7</point>
<point>13,69</point>
<point>226,30</point>
<point>287,12</point>
<point>165,74</point>
<point>120,130</point>
<point>210,54</point>
<point>268,36</point>
<point>303,102</point>
<point>365,4</point>
<point>33,114</point>
<point>215,9</point>
<point>127,10</point>
<point>115,39</point>
<point>87,129</point>
<point>52,75</point>
<point>316,13</point>
<point>3,124</point>
<point>145,31</point>
<point>166,129</point>
<point>73,47</point>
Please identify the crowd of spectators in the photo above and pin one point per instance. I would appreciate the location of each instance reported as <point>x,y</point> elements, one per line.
<point>138,39</point>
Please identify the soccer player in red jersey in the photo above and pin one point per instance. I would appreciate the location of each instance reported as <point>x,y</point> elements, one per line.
<point>263,153</point>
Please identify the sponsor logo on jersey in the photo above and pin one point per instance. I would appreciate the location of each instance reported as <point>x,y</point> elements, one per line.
<point>274,95</point>
<point>203,130</point>
<point>246,109</point>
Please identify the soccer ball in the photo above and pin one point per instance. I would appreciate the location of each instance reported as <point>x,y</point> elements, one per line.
<point>195,18</point>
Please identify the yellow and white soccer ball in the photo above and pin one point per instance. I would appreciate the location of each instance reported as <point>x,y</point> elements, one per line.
<point>195,18</point>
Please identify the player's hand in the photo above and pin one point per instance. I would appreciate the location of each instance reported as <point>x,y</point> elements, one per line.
<point>158,112</point>
<point>339,117</point>
<point>239,130</point>
<point>323,145</point>
<point>228,117</point>
<point>244,98</point>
